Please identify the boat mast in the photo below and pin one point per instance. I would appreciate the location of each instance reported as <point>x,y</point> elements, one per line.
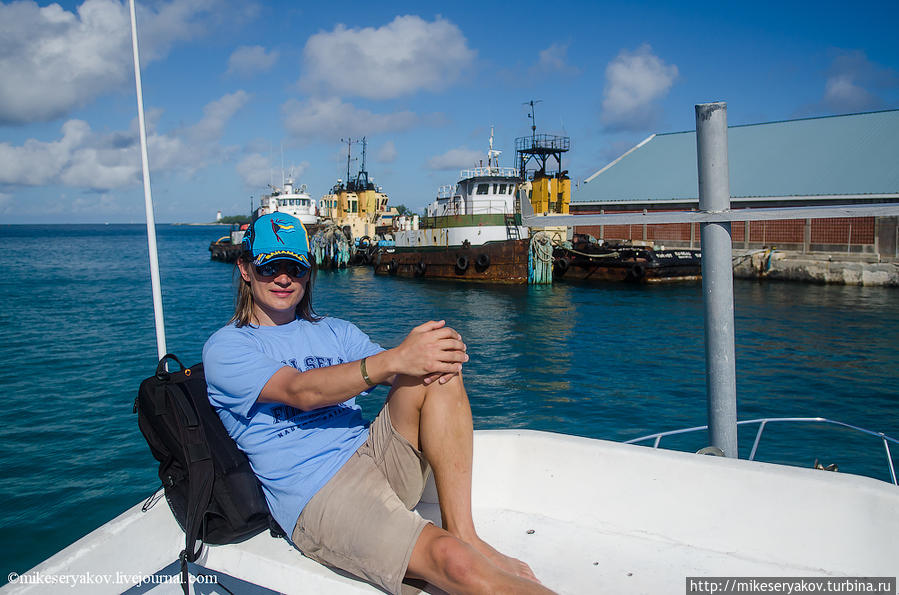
<point>148,199</point>
<point>349,147</point>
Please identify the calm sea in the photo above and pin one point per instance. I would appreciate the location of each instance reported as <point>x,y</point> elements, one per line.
<point>612,362</point>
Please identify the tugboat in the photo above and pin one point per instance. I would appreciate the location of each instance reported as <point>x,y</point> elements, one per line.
<point>582,258</point>
<point>287,199</point>
<point>352,214</point>
<point>227,248</point>
<point>471,231</point>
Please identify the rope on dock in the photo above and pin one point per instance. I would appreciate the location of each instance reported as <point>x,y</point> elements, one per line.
<point>609,255</point>
<point>540,260</point>
<point>331,247</point>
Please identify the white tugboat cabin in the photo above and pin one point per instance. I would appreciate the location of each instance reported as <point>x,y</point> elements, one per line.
<point>291,201</point>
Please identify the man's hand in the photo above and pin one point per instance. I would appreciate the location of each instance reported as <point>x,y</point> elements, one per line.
<point>432,351</point>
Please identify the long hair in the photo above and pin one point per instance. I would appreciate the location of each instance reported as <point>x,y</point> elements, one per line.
<point>245,305</point>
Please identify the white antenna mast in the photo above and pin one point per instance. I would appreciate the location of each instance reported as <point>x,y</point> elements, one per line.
<point>148,199</point>
<point>492,156</point>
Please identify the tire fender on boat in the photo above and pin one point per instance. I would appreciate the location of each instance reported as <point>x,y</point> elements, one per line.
<point>392,267</point>
<point>420,268</point>
<point>483,261</point>
<point>562,265</point>
<point>462,263</point>
<point>638,270</point>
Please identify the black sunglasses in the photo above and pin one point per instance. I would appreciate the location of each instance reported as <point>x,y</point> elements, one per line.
<point>274,268</point>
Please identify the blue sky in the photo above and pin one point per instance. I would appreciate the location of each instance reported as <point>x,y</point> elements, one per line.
<point>228,84</point>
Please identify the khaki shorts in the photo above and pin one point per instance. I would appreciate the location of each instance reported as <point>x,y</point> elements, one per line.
<point>361,520</point>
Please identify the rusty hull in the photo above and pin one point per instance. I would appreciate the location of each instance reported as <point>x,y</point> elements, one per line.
<point>493,262</point>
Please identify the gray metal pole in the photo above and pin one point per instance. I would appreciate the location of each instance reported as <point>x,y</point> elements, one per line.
<point>717,277</point>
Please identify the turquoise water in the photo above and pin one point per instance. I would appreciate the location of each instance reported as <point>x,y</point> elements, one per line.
<point>611,362</point>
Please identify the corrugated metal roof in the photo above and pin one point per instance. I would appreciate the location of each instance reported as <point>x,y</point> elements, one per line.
<point>850,154</point>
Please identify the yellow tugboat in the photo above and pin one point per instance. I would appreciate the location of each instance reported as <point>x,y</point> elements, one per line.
<point>352,213</point>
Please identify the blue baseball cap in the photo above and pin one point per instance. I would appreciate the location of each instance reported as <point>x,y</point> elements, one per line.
<point>277,237</point>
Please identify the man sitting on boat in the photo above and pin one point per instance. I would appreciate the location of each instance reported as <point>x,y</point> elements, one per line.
<point>285,381</point>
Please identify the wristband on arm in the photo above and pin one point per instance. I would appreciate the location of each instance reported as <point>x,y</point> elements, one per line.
<point>365,372</point>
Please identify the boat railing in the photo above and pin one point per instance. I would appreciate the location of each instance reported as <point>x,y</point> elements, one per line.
<point>763,422</point>
<point>508,172</point>
<point>446,191</point>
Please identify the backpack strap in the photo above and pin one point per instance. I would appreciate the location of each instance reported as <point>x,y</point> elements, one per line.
<point>200,471</point>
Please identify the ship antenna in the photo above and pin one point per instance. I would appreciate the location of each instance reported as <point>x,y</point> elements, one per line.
<point>492,155</point>
<point>490,152</point>
<point>148,198</point>
<point>364,145</point>
<point>533,118</point>
<point>349,143</point>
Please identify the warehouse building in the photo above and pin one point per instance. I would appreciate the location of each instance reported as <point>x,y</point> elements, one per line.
<point>846,159</point>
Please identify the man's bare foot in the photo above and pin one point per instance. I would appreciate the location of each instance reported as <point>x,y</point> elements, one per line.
<point>504,562</point>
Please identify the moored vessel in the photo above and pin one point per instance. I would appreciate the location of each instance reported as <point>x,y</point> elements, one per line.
<point>291,200</point>
<point>353,212</point>
<point>470,232</point>
<point>227,247</point>
<point>586,259</point>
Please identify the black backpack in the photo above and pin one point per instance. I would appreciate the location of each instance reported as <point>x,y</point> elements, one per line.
<point>209,485</point>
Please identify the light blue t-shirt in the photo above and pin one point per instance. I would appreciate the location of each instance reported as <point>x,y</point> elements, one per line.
<point>293,452</point>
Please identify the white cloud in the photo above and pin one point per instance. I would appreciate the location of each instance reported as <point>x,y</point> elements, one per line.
<point>53,60</point>
<point>251,60</point>
<point>255,170</point>
<point>216,114</point>
<point>331,119</point>
<point>851,78</point>
<point>387,153</point>
<point>634,81</point>
<point>407,55</point>
<point>455,159</point>
<point>842,93</point>
<point>36,163</point>
<point>554,59</point>
<point>86,159</point>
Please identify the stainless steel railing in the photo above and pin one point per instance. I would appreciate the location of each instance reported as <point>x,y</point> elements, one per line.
<point>763,422</point>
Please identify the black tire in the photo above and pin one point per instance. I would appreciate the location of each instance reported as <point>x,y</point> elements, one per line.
<point>393,267</point>
<point>462,263</point>
<point>638,271</point>
<point>420,268</point>
<point>562,265</point>
<point>483,261</point>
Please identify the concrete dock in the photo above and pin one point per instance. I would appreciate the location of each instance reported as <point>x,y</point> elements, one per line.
<point>840,269</point>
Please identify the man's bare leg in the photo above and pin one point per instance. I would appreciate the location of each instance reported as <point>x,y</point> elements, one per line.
<point>436,419</point>
<point>449,563</point>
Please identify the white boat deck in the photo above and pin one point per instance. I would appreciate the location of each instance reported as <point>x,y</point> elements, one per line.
<point>588,516</point>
